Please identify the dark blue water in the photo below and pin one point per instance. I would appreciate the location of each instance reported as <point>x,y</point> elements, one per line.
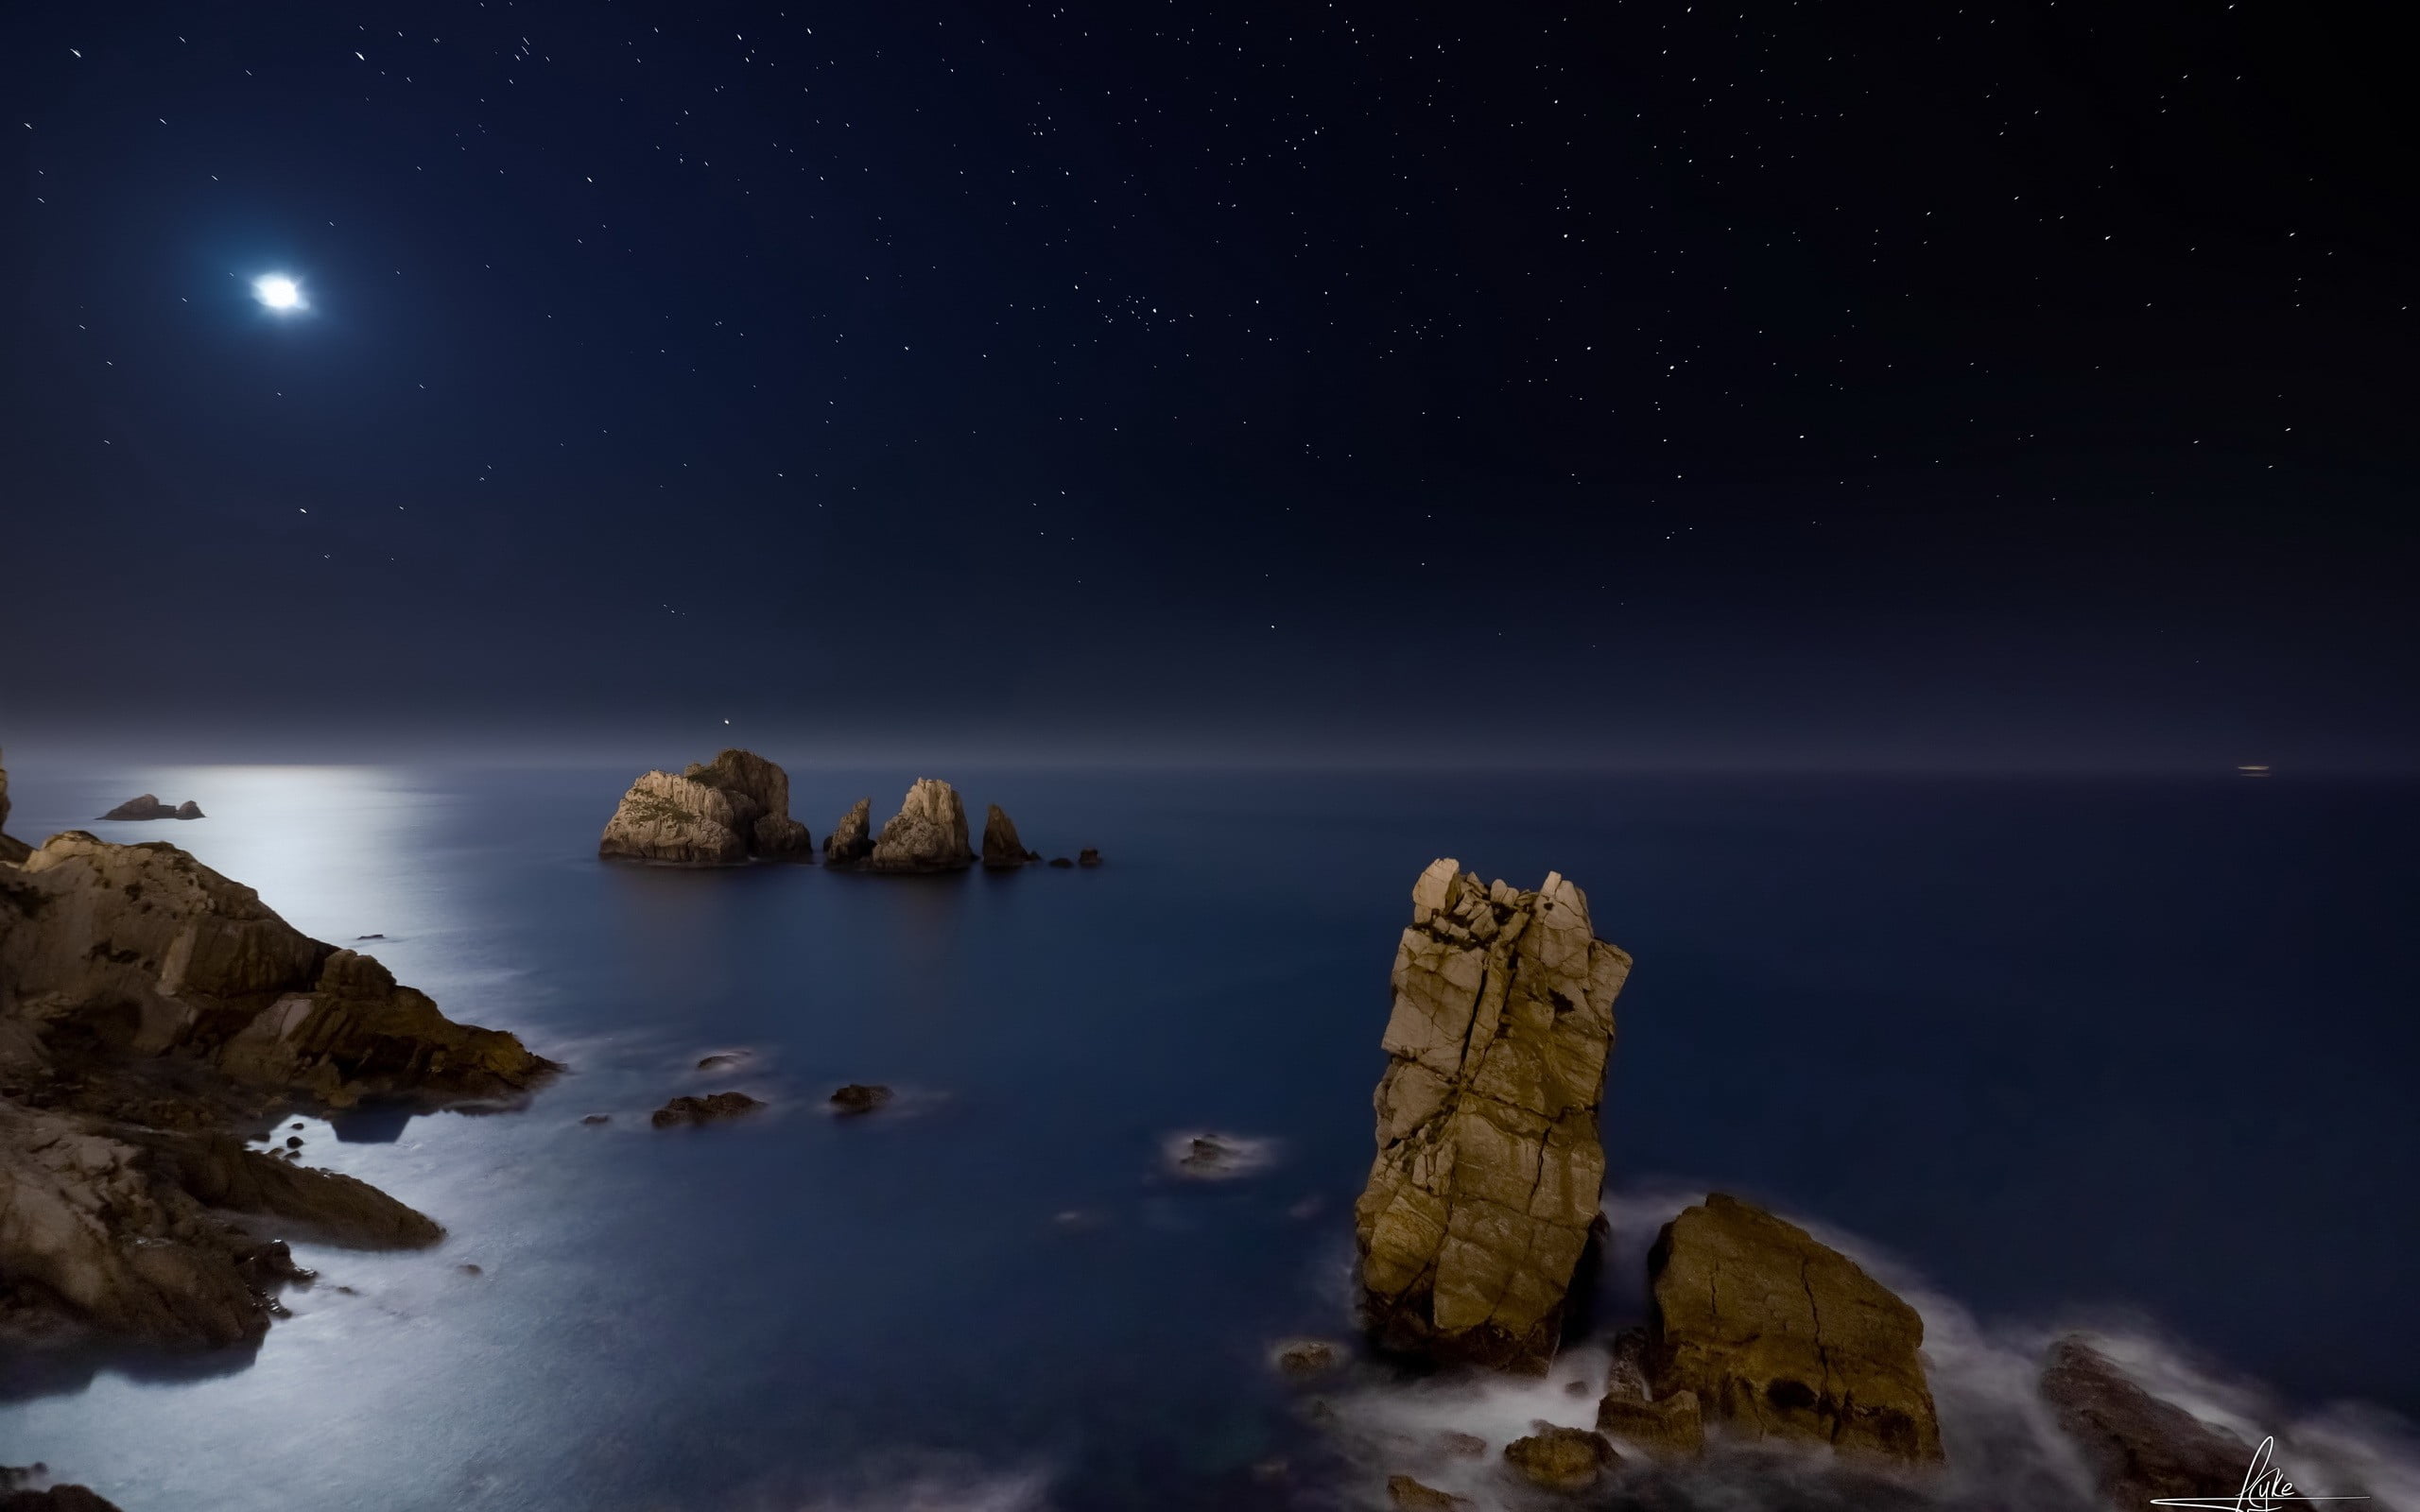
<point>2064,1045</point>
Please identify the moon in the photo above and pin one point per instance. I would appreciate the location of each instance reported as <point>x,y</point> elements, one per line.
<point>277,291</point>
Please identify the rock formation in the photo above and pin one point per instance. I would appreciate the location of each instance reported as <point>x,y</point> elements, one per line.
<point>857,1097</point>
<point>1489,1172</point>
<point>1561,1459</point>
<point>1409,1495</point>
<point>1779,1336</point>
<point>1088,857</point>
<point>1001,846</point>
<point>146,1004</point>
<point>717,814</point>
<point>713,1108</point>
<point>2138,1447</point>
<point>149,807</point>
<point>928,834</point>
<point>850,841</point>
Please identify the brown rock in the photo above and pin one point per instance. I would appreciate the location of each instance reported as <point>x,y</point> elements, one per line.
<point>1001,848</point>
<point>1302,1359</point>
<point>1666,1430</point>
<point>857,1097</point>
<point>1410,1496</point>
<point>1561,1459</point>
<point>678,820</point>
<point>928,834</point>
<point>849,843</point>
<point>712,1108</point>
<point>1782,1337</point>
<point>1489,1172</point>
<point>760,792</point>
<point>2140,1447</point>
<point>1088,857</point>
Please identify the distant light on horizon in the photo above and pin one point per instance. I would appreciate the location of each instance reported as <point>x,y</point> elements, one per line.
<point>279,292</point>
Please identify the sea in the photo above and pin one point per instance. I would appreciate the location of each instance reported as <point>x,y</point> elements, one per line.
<point>2133,1054</point>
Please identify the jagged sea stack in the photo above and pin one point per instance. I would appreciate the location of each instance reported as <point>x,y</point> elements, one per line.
<point>717,814</point>
<point>1489,1171</point>
<point>1002,850</point>
<point>928,834</point>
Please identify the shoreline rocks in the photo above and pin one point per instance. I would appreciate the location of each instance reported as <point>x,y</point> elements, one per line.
<point>2139,1448</point>
<point>151,1010</point>
<point>1776,1335</point>
<point>149,807</point>
<point>928,834</point>
<point>719,814</point>
<point>1484,1194</point>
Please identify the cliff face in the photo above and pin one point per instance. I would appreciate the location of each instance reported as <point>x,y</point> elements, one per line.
<point>1489,1171</point>
<point>717,814</point>
<point>928,834</point>
<point>148,1005</point>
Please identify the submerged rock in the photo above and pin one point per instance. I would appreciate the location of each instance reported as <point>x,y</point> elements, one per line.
<point>2140,1447</point>
<point>1001,846</point>
<point>928,834</point>
<point>149,807</point>
<point>856,1097</point>
<point>1489,1172</point>
<point>1780,1336</point>
<point>1561,1459</point>
<point>850,841</point>
<point>711,1108</point>
<point>1409,1495</point>
<point>717,814</point>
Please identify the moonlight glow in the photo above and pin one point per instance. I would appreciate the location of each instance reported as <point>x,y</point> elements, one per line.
<point>278,292</point>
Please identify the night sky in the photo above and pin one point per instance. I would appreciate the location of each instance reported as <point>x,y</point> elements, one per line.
<point>1642,384</point>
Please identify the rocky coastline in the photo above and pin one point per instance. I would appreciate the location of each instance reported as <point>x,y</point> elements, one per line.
<point>156,1017</point>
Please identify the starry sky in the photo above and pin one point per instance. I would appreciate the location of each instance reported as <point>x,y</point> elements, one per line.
<point>1634,384</point>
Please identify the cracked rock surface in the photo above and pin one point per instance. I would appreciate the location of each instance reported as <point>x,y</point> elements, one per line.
<point>1780,1336</point>
<point>1489,1174</point>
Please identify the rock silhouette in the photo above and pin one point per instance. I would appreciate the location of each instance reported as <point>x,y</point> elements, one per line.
<point>149,807</point>
<point>1001,848</point>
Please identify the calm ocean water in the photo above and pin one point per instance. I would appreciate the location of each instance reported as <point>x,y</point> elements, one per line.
<point>2069,1048</point>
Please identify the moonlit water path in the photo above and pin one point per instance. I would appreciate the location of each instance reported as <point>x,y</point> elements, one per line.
<point>2052,1042</point>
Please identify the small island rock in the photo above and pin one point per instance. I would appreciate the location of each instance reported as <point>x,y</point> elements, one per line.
<point>708,1110</point>
<point>149,807</point>
<point>1002,850</point>
<point>928,834</point>
<point>1088,857</point>
<point>857,1097</point>
<point>717,814</point>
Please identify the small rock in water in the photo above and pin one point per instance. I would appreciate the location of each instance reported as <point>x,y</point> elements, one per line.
<point>294,1142</point>
<point>704,1110</point>
<point>1463,1446</point>
<point>370,936</point>
<point>297,1124</point>
<point>1088,857</point>
<point>857,1097</point>
<point>471,1270</point>
<point>1216,1157</point>
<point>1306,1358</point>
<point>598,1118</point>
<point>1561,1459</point>
<point>1410,1496</point>
<point>1061,861</point>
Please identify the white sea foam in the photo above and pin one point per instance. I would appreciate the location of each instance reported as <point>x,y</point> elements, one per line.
<point>2005,1451</point>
